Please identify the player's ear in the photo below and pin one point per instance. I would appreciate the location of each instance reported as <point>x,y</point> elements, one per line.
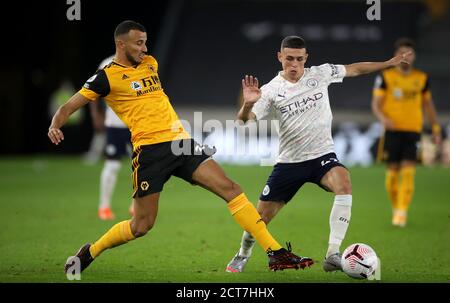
<point>120,43</point>
<point>306,57</point>
<point>279,57</point>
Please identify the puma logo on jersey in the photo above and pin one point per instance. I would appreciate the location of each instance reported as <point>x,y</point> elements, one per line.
<point>280,96</point>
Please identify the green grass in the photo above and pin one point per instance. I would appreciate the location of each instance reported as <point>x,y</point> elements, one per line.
<point>48,209</point>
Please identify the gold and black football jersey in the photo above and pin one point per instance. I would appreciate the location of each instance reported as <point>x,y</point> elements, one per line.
<point>404,96</point>
<point>135,94</point>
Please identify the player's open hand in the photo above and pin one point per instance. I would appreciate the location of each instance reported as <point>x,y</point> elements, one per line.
<point>55,135</point>
<point>401,58</point>
<point>250,90</point>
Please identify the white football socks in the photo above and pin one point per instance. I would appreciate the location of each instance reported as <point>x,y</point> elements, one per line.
<point>247,244</point>
<point>108,180</point>
<point>339,220</point>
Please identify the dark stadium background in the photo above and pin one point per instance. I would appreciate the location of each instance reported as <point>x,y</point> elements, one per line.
<point>203,48</point>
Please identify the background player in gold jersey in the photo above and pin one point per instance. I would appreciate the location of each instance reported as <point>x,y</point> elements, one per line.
<point>130,85</point>
<point>400,97</point>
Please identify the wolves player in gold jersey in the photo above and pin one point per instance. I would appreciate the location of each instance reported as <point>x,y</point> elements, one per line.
<point>399,97</point>
<point>130,85</point>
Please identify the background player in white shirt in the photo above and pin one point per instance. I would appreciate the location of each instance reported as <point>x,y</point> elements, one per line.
<point>298,98</point>
<point>118,144</point>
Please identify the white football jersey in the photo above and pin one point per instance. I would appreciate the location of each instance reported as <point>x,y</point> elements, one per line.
<point>303,110</point>
<point>111,119</point>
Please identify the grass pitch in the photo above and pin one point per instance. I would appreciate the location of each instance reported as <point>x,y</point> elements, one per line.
<point>48,209</point>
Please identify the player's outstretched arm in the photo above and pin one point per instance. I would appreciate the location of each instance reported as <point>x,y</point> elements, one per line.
<point>361,68</point>
<point>251,94</point>
<point>62,114</point>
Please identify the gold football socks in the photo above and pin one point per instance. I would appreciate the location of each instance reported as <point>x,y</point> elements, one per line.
<point>117,235</point>
<point>392,182</point>
<point>406,189</point>
<point>249,219</point>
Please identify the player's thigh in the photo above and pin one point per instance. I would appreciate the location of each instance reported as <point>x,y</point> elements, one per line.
<point>285,181</point>
<point>152,167</point>
<point>337,180</point>
<point>211,176</point>
<point>392,149</point>
<point>269,209</point>
<point>409,148</point>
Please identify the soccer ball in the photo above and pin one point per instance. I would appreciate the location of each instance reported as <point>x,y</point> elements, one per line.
<point>359,261</point>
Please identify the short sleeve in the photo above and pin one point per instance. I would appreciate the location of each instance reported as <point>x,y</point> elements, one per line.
<point>96,86</point>
<point>334,73</point>
<point>262,107</point>
<point>379,87</point>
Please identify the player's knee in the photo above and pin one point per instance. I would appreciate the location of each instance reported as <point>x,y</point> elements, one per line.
<point>231,188</point>
<point>345,188</point>
<point>142,231</point>
<point>236,188</point>
<point>142,228</point>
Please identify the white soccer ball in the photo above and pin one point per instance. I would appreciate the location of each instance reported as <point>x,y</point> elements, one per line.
<point>359,261</point>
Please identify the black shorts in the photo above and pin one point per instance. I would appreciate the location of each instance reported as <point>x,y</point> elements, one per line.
<point>118,140</point>
<point>400,146</point>
<point>287,178</point>
<point>154,164</point>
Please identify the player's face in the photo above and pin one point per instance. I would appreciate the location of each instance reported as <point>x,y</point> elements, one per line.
<point>410,58</point>
<point>293,62</point>
<point>134,46</point>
